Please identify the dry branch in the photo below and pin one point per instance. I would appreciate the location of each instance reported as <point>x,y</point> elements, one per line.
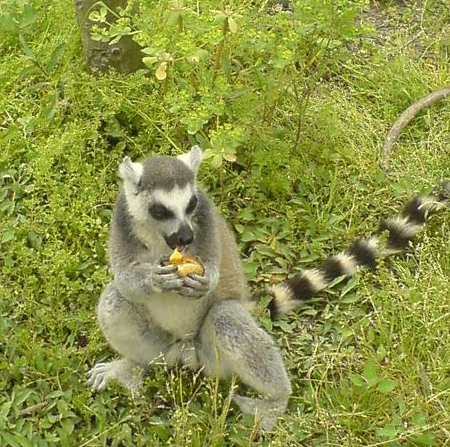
<point>404,119</point>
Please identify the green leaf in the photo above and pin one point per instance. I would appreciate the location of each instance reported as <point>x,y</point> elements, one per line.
<point>280,63</point>
<point>26,49</point>
<point>148,50</point>
<point>219,18</point>
<point>265,250</point>
<point>216,161</point>
<point>149,61</point>
<point>357,380</point>
<point>229,157</point>
<point>419,419</point>
<point>381,353</point>
<point>67,425</point>
<point>225,63</point>
<point>8,24</point>
<point>351,284</point>
<point>4,411</point>
<point>247,235</point>
<point>386,386</point>
<point>285,326</point>
<point>28,71</point>
<point>8,235</point>
<point>370,373</point>
<point>202,54</point>
<point>246,214</point>
<point>267,323</point>
<point>28,16</point>
<point>16,440</point>
<point>388,431</point>
<point>94,16</point>
<point>50,109</point>
<point>426,439</point>
<point>56,56</point>
<point>100,15</point>
<point>172,17</point>
<point>351,298</point>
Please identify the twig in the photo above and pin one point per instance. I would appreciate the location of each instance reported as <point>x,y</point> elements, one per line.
<point>33,408</point>
<point>404,119</point>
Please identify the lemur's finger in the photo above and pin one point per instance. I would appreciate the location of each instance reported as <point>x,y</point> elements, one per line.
<point>200,279</point>
<point>189,292</point>
<point>98,381</point>
<point>101,383</point>
<point>170,282</point>
<point>165,269</point>
<point>192,282</point>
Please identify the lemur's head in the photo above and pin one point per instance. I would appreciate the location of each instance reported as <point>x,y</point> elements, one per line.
<point>161,192</point>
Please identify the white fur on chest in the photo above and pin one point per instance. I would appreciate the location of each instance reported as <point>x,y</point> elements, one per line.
<point>176,314</point>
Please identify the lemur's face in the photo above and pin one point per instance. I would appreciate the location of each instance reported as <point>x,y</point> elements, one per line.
<point>171,212</point>
<point>161,194</point>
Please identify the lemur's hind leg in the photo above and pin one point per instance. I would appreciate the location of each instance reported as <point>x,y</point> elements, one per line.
<point>129,332</point>
<point>230,342</point>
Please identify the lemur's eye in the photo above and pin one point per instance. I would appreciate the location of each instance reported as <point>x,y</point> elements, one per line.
<point>160,212</point>
<point>191,205</point>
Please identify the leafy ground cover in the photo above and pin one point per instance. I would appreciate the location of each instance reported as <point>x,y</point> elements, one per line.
<point>293,110</point>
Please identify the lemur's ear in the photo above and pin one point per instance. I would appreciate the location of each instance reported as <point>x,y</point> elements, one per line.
<point>193,158</point>
<point>130,172</point>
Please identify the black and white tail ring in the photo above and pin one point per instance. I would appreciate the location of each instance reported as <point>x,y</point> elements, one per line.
<point>395,236</point>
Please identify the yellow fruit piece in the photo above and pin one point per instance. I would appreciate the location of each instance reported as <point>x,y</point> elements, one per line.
<point>190,268</point>
<point>176,257</point>
<point>186,264</point>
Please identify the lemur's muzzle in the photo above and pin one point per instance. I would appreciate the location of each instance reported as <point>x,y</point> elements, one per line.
<point>184,236</point>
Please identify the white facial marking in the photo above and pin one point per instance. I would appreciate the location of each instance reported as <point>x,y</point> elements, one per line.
<point>176,200</point>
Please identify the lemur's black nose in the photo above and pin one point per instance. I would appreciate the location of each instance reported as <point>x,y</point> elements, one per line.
<point>184,236</point>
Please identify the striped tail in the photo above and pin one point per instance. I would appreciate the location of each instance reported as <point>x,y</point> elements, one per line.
<point>362,254</point>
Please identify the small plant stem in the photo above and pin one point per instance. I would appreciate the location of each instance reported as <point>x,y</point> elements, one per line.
<point>165,82</point>
<point>221,168</point>
<point>33,408</point>
<point>302,102</point>
<point>220,49</point>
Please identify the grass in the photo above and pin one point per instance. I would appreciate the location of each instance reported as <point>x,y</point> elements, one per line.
<point>368,360</point>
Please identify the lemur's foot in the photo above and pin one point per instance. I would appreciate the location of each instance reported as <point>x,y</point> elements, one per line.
<point>183,352</point>
<point>124,371</point>
<point>266,411</point>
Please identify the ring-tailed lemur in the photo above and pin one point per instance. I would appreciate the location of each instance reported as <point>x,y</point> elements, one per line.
<point>204,322</point>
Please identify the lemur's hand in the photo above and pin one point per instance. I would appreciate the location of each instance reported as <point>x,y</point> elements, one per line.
<point>164,278</point>
<point>197,286</point>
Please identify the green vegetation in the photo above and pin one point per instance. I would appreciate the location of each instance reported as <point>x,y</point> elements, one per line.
<point>292,110</point>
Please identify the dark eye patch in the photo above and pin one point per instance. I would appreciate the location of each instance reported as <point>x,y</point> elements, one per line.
<point>160,212</point>
<point>191,205</point>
